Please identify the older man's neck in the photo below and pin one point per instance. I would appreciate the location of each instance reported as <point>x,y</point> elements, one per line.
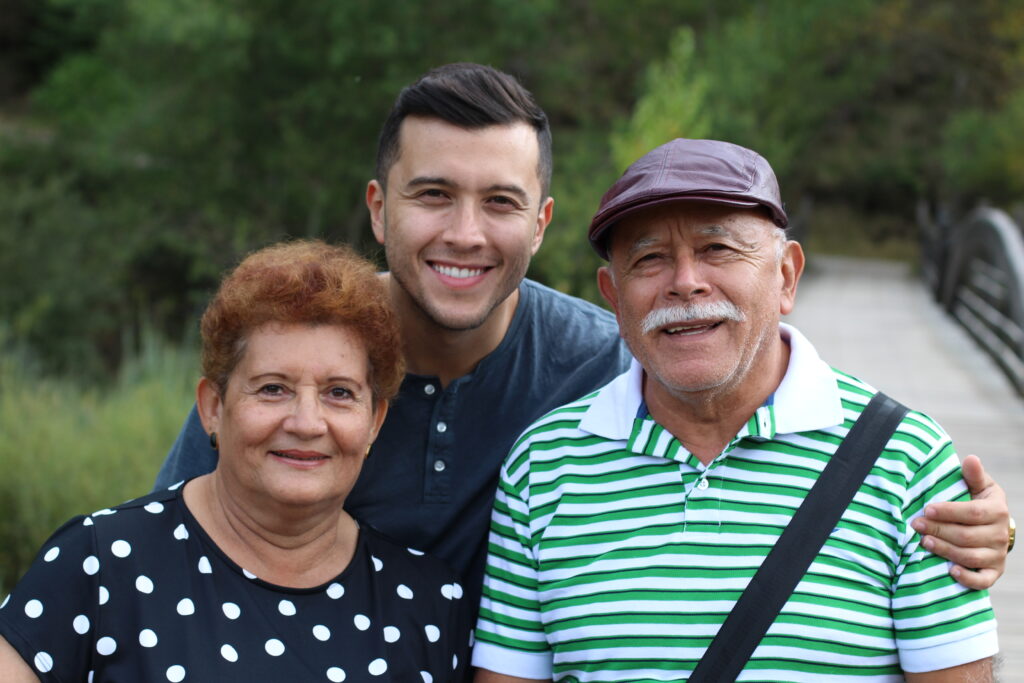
<point>706,422</point>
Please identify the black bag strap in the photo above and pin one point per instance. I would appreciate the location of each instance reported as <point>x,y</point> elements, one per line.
<point>800,542</point>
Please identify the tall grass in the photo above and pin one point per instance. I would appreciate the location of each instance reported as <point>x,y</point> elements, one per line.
<point>68,449</point>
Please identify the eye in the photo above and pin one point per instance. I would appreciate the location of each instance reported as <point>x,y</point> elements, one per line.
<point>272,390</point>
<point>433,196</point>
<point>339,393</point>
<point>504,203</point>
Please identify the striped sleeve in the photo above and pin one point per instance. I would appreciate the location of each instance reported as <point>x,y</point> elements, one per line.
<point>931,611</point>
<point>510,635</point>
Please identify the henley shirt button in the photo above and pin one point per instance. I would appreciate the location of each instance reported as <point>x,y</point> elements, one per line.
<point>429,390</point>
<point>439,465</point>
<point>442,428</point>
<point>702,484</point>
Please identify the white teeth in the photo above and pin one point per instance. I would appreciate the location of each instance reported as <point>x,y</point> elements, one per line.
<point>688,330</point>
<point>457,272</point>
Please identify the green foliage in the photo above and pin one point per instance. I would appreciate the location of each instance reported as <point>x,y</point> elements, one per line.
<point>984,151</point>
<point>672,106</point>
<point>70,450</point>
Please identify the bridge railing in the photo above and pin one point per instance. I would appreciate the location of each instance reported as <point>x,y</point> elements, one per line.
<point>975,268</point>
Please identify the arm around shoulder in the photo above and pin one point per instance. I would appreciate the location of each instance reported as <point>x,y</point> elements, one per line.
<point>13,668</point>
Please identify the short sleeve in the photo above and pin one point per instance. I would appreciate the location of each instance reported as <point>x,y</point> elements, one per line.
<point>50,616</point>
<point>510,636</point>
<point>938,622</point>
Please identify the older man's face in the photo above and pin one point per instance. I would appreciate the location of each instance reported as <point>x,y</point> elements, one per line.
<point>698,290</point>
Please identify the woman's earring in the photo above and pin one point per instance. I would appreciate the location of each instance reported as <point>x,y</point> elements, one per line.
<point>213,440</point>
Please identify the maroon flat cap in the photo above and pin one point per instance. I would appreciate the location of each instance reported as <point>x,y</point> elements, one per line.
<point>689,170</point>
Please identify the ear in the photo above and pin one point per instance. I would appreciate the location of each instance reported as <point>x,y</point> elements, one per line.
<point>210,404</point>
<point>379,413</point>
<point>547,209</point>
<point>606,283</point>
<point>792,267</point>
<point>375,203</point>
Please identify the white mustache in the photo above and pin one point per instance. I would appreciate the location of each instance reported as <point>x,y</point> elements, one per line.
<point>713,310</point>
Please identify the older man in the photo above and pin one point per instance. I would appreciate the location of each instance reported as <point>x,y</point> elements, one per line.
<point>628,523</point>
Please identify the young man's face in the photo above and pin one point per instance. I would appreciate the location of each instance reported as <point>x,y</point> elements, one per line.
<point>461,217</point>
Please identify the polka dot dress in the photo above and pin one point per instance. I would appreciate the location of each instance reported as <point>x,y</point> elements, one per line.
<point>140,593</point>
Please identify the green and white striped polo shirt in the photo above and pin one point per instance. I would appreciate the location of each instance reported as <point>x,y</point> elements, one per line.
<point>615,555</point>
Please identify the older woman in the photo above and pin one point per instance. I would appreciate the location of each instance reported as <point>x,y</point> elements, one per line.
<point>254,572</point>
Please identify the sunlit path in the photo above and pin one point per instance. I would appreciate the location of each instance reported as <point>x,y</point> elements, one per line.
<point>876,320</point>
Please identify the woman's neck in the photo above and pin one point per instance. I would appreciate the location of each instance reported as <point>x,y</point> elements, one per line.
<point>285,546</point>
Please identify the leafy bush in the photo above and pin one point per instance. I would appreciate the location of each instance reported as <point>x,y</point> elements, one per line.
<point>70,449</point>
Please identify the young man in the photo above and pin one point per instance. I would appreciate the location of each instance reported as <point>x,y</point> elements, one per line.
<point>460,204</point>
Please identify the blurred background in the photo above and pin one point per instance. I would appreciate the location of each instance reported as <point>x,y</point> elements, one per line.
<point>146,145</point>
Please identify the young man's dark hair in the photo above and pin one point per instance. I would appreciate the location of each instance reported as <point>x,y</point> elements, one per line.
<point>469,96</point>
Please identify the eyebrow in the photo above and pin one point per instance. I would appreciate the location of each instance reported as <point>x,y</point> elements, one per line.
<point>441,181</point>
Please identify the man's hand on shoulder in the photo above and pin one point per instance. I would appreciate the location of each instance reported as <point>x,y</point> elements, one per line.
<point>974,534</point>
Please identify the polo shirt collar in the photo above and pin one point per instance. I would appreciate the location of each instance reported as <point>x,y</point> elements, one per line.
<point>807,399</point>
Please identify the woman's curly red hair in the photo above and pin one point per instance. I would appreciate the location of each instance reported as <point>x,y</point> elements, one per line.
<point>305,281</point>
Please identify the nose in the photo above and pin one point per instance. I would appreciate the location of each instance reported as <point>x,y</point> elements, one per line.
<point>466,230</point>
<point>306,419</point>
<point>688,277</point>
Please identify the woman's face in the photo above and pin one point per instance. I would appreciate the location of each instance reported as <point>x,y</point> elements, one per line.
<point>298,415</point>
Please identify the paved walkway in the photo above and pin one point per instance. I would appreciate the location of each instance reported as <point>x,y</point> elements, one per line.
<point>877,321</point>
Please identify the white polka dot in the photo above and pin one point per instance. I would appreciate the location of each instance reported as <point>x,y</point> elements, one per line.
<point>186,607</point>
<point>447,591</point>
<point>231,610</point>
<point>33,609</point>
<point>335,674</point>
<point>4,603</point>
<point>286,607</point>
<point>472,638</point>
<point>335,591</point>
<point>121,548</point>
<point>104,595</point>
<point>43,662</point>
<point>248,574</point>
<point>176,673</point>
<point>87,521</point>
<point>414,551</point>
<point>455,662</point>
<point>274,647</point>
<point>427,678</point>
<point>154,508</point>
<point>144,584</point>
<point>404,591</point>
<point>433,633</point>
<point>457,591</point>
<point>378,667</point>
<point>391,634</point>
<point>229,653</point>
<point>321,632</point>
<point>204,565</point>
<point>175,487</point>
<point>180,532</point>
<point>81,624</point>
<point>104,511</point>
<point>147,638</point>
<point>91,674</point>
<point>91,565</point>
<point>377,564</point>
<point>361,621</point>
<point>106,645</point>
<point>51,555</point>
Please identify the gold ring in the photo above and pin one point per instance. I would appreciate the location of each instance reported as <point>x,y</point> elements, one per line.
<point>1013,535</point>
